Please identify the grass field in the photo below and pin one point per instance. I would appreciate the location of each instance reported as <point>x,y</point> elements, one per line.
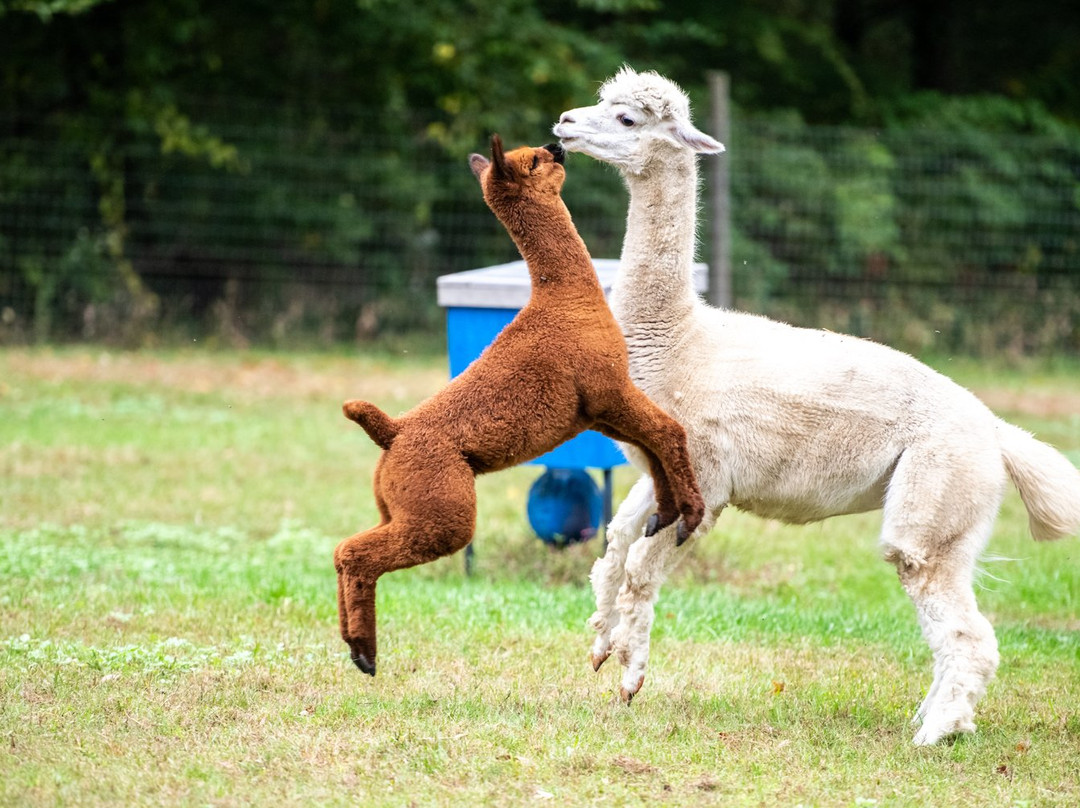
<point>168,631</point>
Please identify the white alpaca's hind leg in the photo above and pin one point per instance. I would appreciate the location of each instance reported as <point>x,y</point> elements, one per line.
<point>964,647</point>
<point>608,571</point>
<point>938,515</point>
<point>931,694</point>
<point>647,566</point>
<point>963,644</point>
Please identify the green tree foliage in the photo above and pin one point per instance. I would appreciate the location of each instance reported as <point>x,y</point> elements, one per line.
<point>140,94</point>
<point>339,128</point>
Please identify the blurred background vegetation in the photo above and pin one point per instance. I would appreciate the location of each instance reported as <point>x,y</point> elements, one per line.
<point>295,173</point>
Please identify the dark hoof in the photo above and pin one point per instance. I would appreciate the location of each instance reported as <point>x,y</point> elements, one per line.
<point>682,533</point>
<point>652,525</point>
<point>628,695</point>
<point>598,660</point>
<point>362,663</point>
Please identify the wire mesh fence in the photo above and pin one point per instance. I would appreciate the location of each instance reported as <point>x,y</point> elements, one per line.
<point>957,241</point>
<point>257,229</point>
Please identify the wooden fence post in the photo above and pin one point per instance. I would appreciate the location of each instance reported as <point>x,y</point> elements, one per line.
<point>720,293</point>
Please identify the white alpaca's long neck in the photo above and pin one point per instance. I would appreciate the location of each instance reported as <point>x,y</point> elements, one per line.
<point>655,286</point>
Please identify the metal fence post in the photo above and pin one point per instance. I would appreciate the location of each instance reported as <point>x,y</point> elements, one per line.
<point>720,293</point>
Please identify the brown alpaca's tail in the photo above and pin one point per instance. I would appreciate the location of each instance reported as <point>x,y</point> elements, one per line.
<point>380,427</point>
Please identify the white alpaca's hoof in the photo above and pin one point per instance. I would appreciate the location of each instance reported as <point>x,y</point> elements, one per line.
<point>627,693</point>
<point>932,733</point>
<point>601,650</point>
<point>924,738</point>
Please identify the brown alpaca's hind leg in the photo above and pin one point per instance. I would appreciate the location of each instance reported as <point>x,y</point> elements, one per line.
<point>358,569</point>
<point>664,442</point>
<point>432,512</point>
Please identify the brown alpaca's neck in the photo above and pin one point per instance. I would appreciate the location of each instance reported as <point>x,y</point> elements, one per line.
<point>556,256</point>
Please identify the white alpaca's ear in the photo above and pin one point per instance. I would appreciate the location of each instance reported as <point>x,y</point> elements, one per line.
<point>686,135</point>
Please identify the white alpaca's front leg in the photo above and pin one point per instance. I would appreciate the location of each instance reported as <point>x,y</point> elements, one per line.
<point>647,565</point>
<point>607,574</point>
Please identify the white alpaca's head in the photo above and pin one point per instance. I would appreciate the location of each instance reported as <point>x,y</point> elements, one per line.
<point>640,117</point>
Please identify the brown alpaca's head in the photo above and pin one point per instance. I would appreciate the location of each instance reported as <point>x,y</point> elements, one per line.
<point>527,173</point>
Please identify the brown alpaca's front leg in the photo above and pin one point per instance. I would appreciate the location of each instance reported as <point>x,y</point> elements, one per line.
<point>664,441</point>
<point>667,511</point>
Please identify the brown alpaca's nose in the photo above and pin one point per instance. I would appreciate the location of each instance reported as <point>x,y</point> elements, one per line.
<point>566,117</point>
<point>556,152</point>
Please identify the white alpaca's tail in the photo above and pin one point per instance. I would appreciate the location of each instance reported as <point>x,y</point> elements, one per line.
<point>1048,483</point>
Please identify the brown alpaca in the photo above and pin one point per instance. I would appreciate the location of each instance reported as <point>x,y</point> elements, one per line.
<point>560,367</point>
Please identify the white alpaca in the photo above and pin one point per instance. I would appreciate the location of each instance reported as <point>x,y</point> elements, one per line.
<point>796,424</point>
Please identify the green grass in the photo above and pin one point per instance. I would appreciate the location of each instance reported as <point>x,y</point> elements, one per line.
<point>168,621</point>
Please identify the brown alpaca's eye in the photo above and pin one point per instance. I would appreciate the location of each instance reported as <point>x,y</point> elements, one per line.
<point>536,162</point>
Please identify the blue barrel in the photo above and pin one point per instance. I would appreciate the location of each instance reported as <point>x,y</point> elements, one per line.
<point>565,506</point>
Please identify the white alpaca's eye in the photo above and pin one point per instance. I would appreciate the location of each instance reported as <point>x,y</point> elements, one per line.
<point>625,120</point>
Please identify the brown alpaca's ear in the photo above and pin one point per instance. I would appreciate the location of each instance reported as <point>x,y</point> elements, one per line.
<point>478,163</point>
<point>499,169</point>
